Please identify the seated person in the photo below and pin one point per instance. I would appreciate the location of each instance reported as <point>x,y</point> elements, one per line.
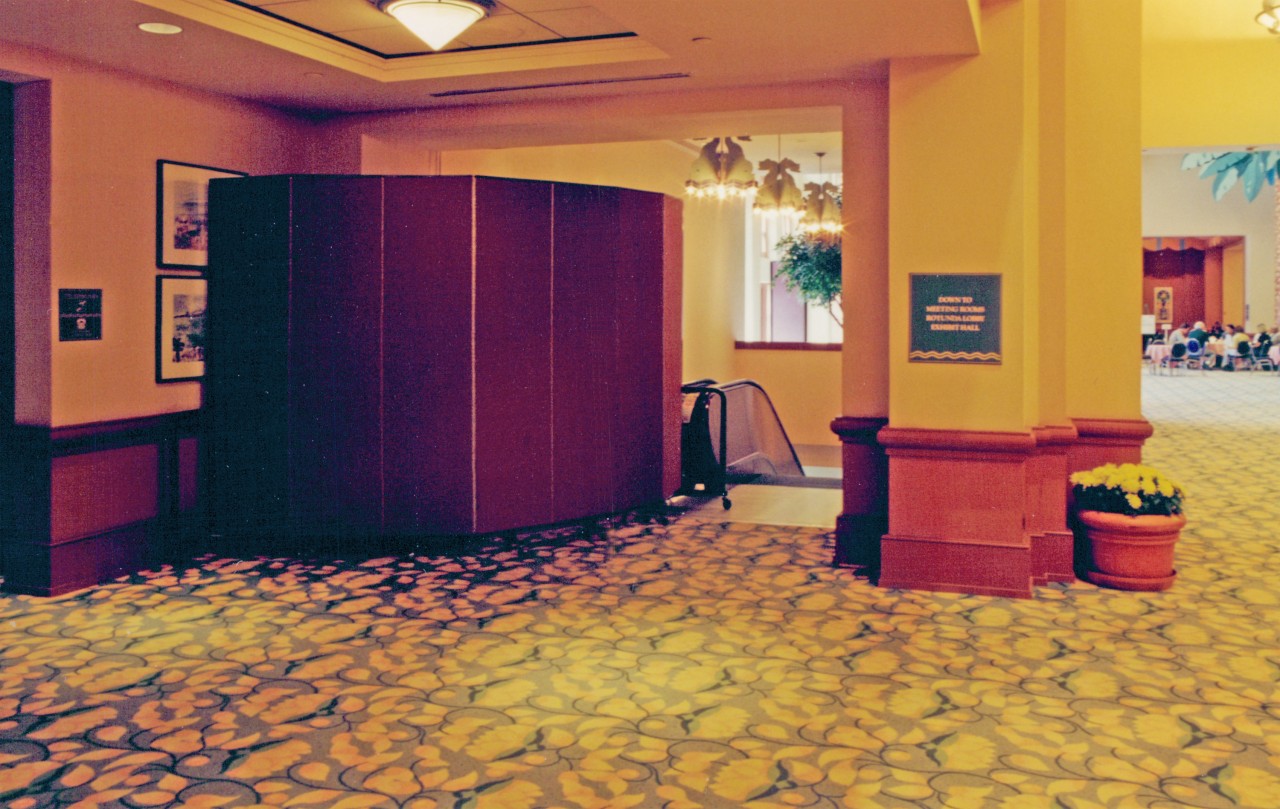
<point>1237,346</point>
<point>1262,337</point>
<point>1178,335</point>
<point>1198,333</point>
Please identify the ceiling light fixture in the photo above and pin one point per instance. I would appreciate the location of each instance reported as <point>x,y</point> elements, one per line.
<point>721,170</point>
<point>1269,17</point>
<point>435,22</point>
<point>159,28</point>
<point>779,194</point>
<point>822,206</point>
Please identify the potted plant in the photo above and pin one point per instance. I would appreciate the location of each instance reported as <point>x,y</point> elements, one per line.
<point>1132,516</point>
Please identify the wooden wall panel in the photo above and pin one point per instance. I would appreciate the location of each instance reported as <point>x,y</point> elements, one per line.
<point>247,370</point>
<point>95,492</point>
<point>1184,272</point>
<point>9,481</point>
<point>438,376</point>
<point>513,354</point>
<point>672,340</point>
<point>427,436</point>
<point>584,363</point>
<point>335,363</point>
<point>638,399</point>
<point>188,475</point>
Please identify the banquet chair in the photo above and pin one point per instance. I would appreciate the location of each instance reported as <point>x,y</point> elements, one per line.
<point>1262,359</point>
<point>1244,353</point>
<point>1195,355</point>
<point>1177,356</point>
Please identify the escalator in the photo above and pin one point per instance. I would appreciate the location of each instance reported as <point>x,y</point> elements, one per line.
<point>732,434</point>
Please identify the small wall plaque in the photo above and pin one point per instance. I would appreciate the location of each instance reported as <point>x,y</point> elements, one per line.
<point>79,314</point>
<point>955,318</point>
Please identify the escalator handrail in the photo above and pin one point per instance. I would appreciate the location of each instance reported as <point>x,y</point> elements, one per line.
<point>705,384</point>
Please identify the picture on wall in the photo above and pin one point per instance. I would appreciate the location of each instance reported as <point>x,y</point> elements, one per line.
<point>1162,299</point>
<point>182,213</point>
<point>180,328</point>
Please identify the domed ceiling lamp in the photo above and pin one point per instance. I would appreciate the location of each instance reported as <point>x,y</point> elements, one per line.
<point>779,194</point>
<point>1269,17</point>
<point>721,170</point>
<point>436,22</point>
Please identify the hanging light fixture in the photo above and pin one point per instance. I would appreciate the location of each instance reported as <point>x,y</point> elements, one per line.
<point>721,170</point>
<point>779,195</point>
<point>436,22</point>
<point>822,206</point>
<point>1269,17</point>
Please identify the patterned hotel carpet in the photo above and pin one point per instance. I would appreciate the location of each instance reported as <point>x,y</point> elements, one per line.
<point>672,665</point>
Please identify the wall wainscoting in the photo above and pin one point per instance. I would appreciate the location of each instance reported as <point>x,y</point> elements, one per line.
<point>95,501</point>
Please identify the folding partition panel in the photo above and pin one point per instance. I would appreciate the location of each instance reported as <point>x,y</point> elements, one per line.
<point>438,355</point>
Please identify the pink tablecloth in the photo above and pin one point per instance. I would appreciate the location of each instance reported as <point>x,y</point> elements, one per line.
<point>1274,354</point>
<point>1157,352</point>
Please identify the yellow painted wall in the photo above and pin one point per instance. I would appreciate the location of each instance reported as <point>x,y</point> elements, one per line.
<point>109,128</point>
<point>1103,215</point>
<point>714,257</point>
<point>804,387</point>
<point>959,204</point>
<point>660,166</point>
<point>865,251</point>
<point>1204,92</point>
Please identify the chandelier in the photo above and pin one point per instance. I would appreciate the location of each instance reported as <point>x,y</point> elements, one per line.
<point>822,206</point>
<point>1269,17</point>
<point>436,22</point>
<point>721,170</point>
<point>779,193</point>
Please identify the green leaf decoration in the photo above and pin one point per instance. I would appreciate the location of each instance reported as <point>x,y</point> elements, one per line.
<point>1253,178</point>
<point>1252,169</point>
<point>1224,182</point>
<point>810,265</point>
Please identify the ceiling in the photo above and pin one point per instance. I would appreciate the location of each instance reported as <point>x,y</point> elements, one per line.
<point>330,56</point>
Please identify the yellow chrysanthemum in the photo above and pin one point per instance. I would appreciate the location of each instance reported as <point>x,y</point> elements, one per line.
<point>1134,500</point>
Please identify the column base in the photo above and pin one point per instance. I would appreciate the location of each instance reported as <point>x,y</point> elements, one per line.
<point>955,565</point>
<point>958,503</point>
<point>864,516</point>
<point>1101,441</point>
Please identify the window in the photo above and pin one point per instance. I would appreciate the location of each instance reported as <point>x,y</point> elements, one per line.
<point>771,312</point>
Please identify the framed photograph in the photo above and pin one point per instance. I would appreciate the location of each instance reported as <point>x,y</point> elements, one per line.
<point>180,322</point>
<point>182,213</point>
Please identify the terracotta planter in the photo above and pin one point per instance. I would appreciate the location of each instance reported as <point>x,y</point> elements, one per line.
<point>1131,553</point>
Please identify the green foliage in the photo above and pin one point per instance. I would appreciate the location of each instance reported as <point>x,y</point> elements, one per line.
<point>1251,168</point>
<point>811,266</point>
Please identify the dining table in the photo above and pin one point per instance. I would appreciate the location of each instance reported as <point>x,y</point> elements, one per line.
<point>1158,353</point>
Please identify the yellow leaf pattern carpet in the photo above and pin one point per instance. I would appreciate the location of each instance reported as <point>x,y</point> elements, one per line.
<point>672,663</point>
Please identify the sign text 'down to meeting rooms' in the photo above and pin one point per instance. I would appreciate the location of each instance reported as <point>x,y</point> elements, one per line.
<point>955,318</point>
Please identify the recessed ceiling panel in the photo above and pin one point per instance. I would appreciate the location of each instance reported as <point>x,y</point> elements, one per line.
<point>534,6</point>
<point>578,22</point>
<point>330,16</point>
<point>506,29</point>
<point>390,39</point>
<point>506,25</point>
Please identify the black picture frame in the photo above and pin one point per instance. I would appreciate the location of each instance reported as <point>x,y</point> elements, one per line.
<point>182,200</point>
<point>181,301</point>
